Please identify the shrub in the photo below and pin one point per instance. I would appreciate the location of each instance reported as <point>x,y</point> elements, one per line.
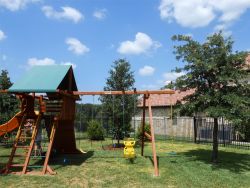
<point>139,131</point>
<point>95,130</point>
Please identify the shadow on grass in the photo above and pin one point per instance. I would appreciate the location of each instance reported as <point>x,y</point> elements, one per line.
<point>152,160</point>
<point>234,162</point>
<point>70,159</point>
<point>58,161</point>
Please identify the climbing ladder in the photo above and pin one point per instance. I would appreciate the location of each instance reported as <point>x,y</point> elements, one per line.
<point>19,144</point>
<point>27,143</point>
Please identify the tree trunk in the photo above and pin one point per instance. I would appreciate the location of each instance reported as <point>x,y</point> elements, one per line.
<point>215,141</point>
<point>118,135</point>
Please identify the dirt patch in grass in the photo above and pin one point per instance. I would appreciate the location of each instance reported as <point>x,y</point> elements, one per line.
<point>113,147</point>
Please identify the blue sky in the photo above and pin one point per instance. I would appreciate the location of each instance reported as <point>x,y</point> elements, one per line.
<point>91,34</point>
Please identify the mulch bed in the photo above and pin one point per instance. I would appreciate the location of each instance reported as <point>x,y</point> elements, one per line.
<point>113,147</point>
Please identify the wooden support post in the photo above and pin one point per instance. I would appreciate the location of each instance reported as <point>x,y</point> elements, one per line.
<point>46,167</point>
<point>195,130</point>
<point>156,170</point>
<point>148,136</point>
<point>143,124</point>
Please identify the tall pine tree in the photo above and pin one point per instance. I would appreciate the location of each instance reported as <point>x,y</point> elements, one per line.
<point>119,107</point>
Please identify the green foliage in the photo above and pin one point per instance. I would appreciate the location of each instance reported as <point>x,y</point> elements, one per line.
<point>95,130</point>
<point>119,108</point>
<point>215,73</point>
<point>139,131</point>
<point>169,86</point>
<point>8,103</point>
<point>87,112</point>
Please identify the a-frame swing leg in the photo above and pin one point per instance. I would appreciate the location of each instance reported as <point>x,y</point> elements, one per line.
<point>143,124</point>
<point>46,167</point>
<point>156,170</point>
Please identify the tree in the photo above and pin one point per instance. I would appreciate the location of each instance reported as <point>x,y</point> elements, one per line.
<point>216,74</point>
<point>119,108</point>
<point>8,103</point>
<point>170,85</point>
<point>86,113</point>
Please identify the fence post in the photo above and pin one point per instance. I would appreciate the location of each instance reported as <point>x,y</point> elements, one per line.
<point>195,130</point>
<point>165,129</point>
<point>223,131</point>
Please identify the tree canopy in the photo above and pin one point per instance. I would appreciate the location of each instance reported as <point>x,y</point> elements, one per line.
<point>8,103</point>
<point>119,108</point>
<point>216,75</point>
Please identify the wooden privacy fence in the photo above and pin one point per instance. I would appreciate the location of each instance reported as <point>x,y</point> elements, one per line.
<point>180,128</point>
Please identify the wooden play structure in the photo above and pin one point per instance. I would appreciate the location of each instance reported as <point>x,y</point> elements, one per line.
<point>47,96</point>
<point>54,112</point>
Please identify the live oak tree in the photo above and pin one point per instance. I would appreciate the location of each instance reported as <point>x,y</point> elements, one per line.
<point>215,73</point>
<point>8,103</point>
<point>119,108</point>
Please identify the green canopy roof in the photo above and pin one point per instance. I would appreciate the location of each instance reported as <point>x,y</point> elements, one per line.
<point>45,79</point>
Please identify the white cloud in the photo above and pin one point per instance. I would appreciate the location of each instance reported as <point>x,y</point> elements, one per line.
<point>100,14</point>
<point>69,63</point>
<point>67,13</point>
<point>15,5</point>
<point>200,13</point>
<point>76,46</point>
<point>46,61</point>
<point>190,13</point>
<point>2,35</point>
<point>142,44</point>
<point>171,76</point>
<point>147,71</point>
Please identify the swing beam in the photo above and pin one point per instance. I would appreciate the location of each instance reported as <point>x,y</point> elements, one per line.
<point>133,92</point>
<point>146,98</point>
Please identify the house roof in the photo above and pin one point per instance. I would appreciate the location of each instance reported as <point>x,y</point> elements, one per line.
<point>46,79</point>
<point>166,99</point>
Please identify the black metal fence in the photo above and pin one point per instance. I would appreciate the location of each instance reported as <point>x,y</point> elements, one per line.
<point>227,135</point>
<point>197,130</point>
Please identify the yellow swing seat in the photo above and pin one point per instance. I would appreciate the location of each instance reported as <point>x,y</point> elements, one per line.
<point>129,151</point>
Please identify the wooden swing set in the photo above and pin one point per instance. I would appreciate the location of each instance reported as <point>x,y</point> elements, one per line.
<point>58,106</point>
<point>27,110</point>
<point>146,102</point>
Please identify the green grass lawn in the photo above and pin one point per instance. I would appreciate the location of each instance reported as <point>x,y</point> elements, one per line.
<point>190,167</point>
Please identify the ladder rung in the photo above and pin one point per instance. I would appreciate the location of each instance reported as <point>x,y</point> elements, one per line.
<point>23,147</point>
<point>16,165</point>
<point>35,166</point>
<point>35,157</point>
<point>19,155</point>
<point>25,138</point>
